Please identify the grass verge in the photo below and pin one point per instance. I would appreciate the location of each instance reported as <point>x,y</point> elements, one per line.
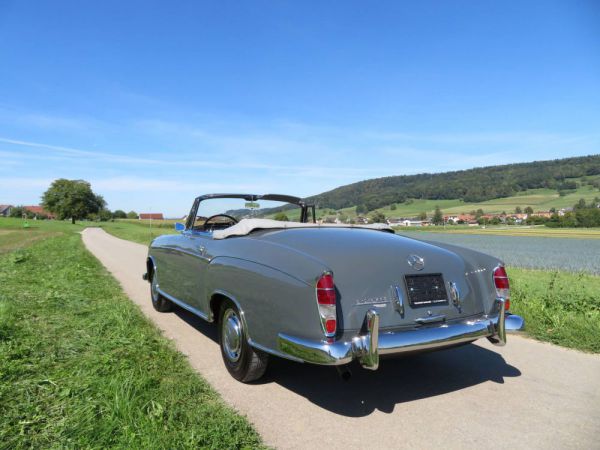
<point>81,367</point>
<point>558,307</point>
<point>139,232</point>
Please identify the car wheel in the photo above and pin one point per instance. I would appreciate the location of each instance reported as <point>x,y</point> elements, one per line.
<point>160,303</point>
<point>243,362</point>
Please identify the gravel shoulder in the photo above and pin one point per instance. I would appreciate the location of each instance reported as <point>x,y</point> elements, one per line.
<point>527,394</point>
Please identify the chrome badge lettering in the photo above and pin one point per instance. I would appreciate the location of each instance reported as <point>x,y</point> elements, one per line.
<point>372,301</point>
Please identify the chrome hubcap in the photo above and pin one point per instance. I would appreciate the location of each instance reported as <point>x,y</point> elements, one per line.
<point>231,335</point>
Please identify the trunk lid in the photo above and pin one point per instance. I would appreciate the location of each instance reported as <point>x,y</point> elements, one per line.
<point>371,269</point>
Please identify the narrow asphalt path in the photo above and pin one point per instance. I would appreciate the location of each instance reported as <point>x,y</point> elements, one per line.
<point>525,395</point>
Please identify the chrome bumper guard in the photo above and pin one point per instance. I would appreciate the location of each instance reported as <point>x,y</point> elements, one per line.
<point>370,342</point>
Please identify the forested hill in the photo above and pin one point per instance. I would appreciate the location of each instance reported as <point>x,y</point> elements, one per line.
<point>473,185</point>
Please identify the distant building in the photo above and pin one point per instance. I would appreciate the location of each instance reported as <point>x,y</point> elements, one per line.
<point>5,210</point>
<point>412,223</point>
<point>151,216</point>
<point>39,212</point>
<point>563,211</point>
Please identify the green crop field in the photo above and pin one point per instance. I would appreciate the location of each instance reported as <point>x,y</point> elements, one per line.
<point>81,367</point>
<point>509,230</point>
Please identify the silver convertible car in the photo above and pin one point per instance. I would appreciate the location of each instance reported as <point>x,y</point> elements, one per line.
<point>279,284</point>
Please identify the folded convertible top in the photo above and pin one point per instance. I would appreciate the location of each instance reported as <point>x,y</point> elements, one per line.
<point>246,226</point>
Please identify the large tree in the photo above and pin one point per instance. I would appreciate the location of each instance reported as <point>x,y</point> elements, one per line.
<point>438,217</point>
<point>72,199</point>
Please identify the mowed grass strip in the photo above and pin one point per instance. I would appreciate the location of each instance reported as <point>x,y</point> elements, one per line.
<point>80,367</point>
<point>558,307</point>
<point>134,231</point>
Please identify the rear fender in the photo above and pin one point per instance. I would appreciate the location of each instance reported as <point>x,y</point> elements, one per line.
<point>271,301</point>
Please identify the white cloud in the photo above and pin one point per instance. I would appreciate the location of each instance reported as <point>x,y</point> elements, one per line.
<point>141,184</point>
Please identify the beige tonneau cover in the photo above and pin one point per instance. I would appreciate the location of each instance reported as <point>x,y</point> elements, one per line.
<point>246,226</point>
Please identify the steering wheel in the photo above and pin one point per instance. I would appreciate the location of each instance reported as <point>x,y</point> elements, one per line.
<point>231,219</point>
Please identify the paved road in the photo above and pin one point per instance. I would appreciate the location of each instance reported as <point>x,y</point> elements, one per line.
<point>525,395</point>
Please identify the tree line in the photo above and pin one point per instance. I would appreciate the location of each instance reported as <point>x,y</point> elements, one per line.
<point>473,185</point>
<point>584,215</point>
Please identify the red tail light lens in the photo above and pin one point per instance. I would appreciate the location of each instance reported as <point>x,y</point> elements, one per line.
<point>502,285</point>
<point>326,302</point>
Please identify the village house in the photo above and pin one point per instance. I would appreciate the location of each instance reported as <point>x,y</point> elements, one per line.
<point>395,220</point>
<point>39,212</point>
<point>451,219</point>
<point>546,214</point>
<point>563,211</point>
<point>5,210</point>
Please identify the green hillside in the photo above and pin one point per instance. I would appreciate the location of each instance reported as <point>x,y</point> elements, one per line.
<point>538,199</point>
<point>474,186</point>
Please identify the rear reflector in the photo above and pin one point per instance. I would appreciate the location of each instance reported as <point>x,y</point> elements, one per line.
<point>326,302</point>
<point>502,285</point>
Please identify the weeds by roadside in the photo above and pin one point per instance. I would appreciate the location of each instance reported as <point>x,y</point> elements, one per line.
<point>558,307</point>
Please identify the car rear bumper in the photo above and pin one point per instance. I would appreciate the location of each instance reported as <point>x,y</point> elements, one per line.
<point>370,342</point>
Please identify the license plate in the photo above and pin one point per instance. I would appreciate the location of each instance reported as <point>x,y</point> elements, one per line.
<point>426,290</point>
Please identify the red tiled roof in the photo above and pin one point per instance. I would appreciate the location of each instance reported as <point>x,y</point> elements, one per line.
<point>153,216</point>
<point>39,210</point>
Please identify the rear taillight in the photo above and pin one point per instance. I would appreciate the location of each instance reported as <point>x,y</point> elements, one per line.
<point>326,302</point>
<point>502,285</point>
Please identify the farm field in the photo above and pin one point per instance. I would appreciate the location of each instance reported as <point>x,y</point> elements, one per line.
<point>531,252</point>
<point>506,230</point>
<point>80,366</point>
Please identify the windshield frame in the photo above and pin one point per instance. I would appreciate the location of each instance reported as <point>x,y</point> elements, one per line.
<point>252,198</point>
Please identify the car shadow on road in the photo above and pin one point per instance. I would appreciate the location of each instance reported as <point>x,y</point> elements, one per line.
<point>397,380</point>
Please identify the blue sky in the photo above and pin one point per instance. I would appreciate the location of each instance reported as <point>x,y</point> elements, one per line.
<point>157,102</point>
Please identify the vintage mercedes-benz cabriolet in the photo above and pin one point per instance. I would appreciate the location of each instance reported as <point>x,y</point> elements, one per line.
<point>322,293</point>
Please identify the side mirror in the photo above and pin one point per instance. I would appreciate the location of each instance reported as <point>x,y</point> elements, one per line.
<point>179,226</point>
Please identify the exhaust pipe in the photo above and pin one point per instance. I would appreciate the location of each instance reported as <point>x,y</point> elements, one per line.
<point>344,372</point>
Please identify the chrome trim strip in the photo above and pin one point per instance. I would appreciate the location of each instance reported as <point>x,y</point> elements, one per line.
<point>399,301</point>
<point>191,253</point>
<point>274,352</point>
<point>183,305</point>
